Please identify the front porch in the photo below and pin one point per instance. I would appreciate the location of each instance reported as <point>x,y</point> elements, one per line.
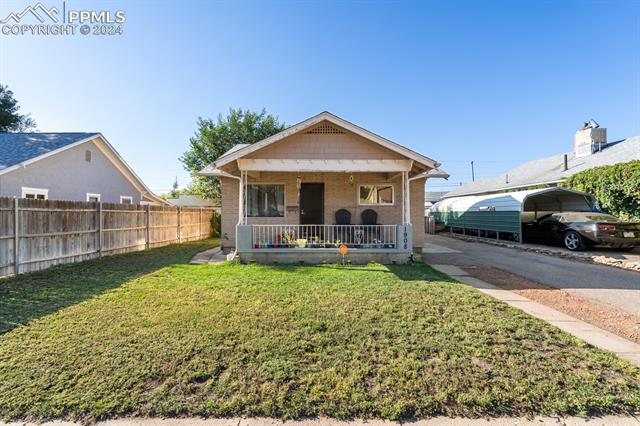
<point>300,195</point>
<point>320,243</point>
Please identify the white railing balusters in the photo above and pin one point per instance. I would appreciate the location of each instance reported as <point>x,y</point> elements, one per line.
<point>325,236</point>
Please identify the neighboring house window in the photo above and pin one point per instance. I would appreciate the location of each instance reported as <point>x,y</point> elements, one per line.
<point>265,200</point>
<point>126,199</point>
<point>93,198</point>
<point>35,193</point>
<point>376,195</point>
<point>87,156</point>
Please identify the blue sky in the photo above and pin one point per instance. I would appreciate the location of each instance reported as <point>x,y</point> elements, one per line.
<point>494,82</point>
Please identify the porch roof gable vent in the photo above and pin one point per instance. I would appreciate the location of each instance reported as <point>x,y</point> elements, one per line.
<point>325,129</point>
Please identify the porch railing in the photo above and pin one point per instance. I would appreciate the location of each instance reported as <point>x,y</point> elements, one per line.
<point>324,236</point>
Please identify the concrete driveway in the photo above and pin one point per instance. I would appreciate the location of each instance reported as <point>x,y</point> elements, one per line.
<point>601,283</point>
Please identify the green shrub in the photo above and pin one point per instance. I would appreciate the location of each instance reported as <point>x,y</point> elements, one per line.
<point>616,188</point>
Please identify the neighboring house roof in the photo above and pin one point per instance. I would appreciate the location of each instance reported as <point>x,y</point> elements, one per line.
<point>21,149</point>
<point>185,200</point>
<point>433,196</point>
<point>550,170</point>
<point>242,150</point>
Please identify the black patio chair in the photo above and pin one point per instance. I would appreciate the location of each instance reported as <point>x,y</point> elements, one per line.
<point>343,217</point>
<point>343,232</point>
<point>369,217</point>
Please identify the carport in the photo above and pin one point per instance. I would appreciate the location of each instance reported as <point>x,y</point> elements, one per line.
<point>501,215</point>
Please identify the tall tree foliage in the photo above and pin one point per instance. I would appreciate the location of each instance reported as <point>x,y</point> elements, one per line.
<point>214,138</point>
<point>616,187</point>
<point>10,119</point>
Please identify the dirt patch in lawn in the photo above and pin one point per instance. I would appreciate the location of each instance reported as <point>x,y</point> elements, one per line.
<point>622,323</point>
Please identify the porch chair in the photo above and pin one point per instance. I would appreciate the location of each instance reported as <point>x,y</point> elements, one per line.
<point>343,217</point>
<point>369,217</point>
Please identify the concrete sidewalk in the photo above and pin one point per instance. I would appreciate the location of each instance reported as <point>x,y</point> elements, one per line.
<point>213,255</point>
<point>435,421</point>
<point>599,283</point>
<point>585,331</point>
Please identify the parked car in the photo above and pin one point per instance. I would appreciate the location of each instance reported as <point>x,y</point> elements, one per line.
<point>579,230</point>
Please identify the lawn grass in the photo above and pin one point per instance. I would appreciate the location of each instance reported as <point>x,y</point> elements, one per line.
<point>147,334</point>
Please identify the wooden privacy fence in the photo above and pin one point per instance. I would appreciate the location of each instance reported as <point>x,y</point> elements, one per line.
<point>36,234</point>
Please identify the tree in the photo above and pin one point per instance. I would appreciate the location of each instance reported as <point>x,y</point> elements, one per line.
<point>175,191</point>
<point>214,138</point>
<point>10,119</point>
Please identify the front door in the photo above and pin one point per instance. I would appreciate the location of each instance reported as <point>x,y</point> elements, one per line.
<point>312,203</point>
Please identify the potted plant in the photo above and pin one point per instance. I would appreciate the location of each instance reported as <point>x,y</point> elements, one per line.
<point>301,242</point>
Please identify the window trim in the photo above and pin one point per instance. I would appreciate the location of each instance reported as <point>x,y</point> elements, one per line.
<point>91,194</point>
<point>393,195</point>
<point>246,207</point>
<point>126,197</point>
<point>35,191</point>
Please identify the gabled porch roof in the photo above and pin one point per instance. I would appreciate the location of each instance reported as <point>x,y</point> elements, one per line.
<point>409,159</point>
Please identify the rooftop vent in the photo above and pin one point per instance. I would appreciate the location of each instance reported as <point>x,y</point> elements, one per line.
<point>325,129</point>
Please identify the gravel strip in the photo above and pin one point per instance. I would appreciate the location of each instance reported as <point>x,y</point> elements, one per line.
<point>621,323</point>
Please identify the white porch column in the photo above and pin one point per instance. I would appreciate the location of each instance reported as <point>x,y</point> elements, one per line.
<point>241,198</point>
<point>406,199</point>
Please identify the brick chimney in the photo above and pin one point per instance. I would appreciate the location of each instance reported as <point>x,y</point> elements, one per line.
<point>589,139</point>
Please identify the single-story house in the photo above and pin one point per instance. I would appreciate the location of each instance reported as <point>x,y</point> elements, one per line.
<point>189,200</point>
<point>318,185</point>
<point>590,149</point>
<point>68,166</point>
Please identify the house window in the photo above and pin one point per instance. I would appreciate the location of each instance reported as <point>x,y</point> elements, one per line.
<point>376,195</point>
<point>93,198</point>
<point>124,199</point>
<point>87,156</point>
<point>265,200</point>
<point>35,193</point>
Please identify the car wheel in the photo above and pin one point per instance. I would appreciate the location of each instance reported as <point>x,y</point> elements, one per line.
<point>573,241</point>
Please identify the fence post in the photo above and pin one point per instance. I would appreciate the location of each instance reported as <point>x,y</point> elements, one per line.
<point>100,234</point>
<point>200,225</point>
<point>147,233</point>
<point>16,237</point>
<point>179,230</point>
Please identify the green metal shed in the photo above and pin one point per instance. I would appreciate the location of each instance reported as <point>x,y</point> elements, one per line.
<point>504,213</point>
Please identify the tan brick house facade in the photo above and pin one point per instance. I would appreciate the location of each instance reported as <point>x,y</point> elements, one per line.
<point>290,186</point>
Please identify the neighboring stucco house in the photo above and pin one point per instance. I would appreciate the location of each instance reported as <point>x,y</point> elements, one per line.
<point>320,184</point>
<point>68,166</point>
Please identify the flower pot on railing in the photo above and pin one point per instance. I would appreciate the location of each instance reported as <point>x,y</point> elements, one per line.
<point>302,243</point>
